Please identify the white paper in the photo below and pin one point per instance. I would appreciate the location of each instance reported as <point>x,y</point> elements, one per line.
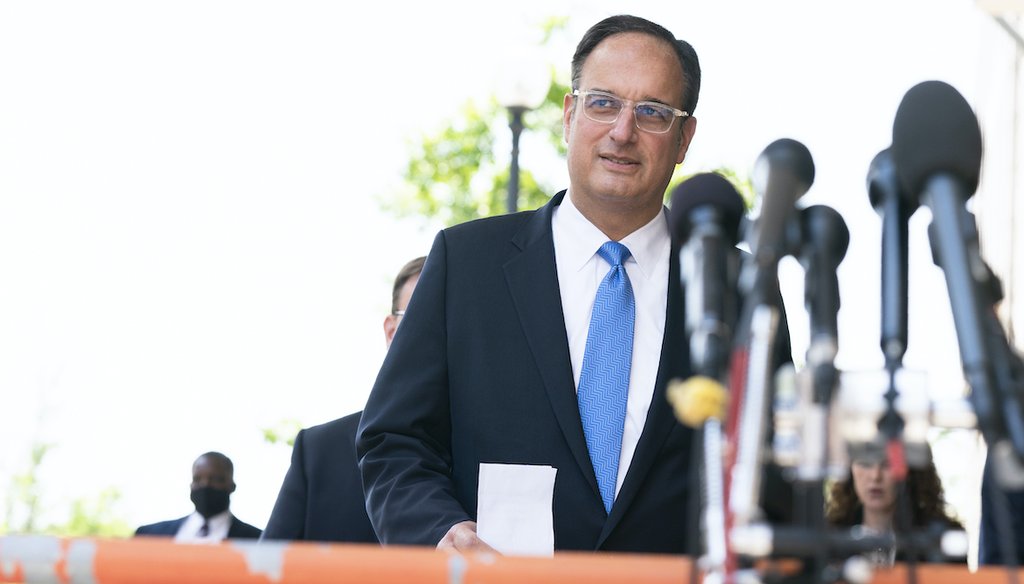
<point>514,508</point>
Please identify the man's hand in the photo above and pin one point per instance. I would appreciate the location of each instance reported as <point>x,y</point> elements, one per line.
<point>462,538</point>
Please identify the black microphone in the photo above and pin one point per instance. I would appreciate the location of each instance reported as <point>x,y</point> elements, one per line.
<point>825,241</point>
<point>937,149</point>
<point>705,216</point>
<point>936,136</point>
<point>782,174</point>
<point>895,206</point>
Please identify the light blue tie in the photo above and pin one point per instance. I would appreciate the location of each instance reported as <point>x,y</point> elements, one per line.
<point>604,380</point>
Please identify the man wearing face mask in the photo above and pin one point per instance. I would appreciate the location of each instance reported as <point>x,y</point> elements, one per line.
<point>212,485</point>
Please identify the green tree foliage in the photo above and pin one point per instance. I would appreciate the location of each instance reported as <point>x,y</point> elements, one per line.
<point>282,433</point>
<point>94,517</point>
<point>88,516</point>
<point>454,175</point>
<point>24,499</point>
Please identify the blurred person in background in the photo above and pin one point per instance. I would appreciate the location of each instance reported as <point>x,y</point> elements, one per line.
<point>212,484</point>
<point>873,501</point>
<point>322,495</point>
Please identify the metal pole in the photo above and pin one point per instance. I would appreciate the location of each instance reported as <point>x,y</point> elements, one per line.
<point>515,123</point>
<point>1010,30</point>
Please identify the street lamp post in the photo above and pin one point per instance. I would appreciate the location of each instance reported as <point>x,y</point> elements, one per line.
<point>515,123</point>
<point>520,91</point>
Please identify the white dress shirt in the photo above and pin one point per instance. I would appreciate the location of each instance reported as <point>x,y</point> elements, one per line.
<point>219,525</point>
<point>580,271</point>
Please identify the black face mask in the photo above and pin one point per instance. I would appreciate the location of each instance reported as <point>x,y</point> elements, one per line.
<point>210,501</point>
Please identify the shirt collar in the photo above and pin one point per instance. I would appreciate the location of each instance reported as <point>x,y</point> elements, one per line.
<point>583,239</point>
<point>219,520</point>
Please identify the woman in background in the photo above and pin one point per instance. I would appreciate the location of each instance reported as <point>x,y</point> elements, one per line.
<point>872,500</point>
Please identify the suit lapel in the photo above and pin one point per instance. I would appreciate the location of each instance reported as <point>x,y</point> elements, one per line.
<point>533,283</point>
<point>675,360</point>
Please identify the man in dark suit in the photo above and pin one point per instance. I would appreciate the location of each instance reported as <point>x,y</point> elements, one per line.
<point>1001,527</point>
<point>212,484</point>
<point>492,350</point>
<point>322,496</point>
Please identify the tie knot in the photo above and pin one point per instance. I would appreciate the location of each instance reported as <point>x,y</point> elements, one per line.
<point>613,252</point>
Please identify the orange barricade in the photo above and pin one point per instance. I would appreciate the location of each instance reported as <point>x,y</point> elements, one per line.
<point>943,574</point>
<point>157,560</point>
<point>51,560</point>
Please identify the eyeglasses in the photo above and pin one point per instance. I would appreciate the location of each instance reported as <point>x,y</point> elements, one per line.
<point>649,116</point>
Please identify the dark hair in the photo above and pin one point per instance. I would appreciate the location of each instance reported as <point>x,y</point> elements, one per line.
<point>408,272</point>
<point>922,491</point>
<point>625,23</point>
<point>220,457</point>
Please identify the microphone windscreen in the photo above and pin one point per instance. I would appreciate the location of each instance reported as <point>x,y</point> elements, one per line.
<point>783,173</point>
<point>791,156</point>
<point>826,230</point>
<point>935,132</point>
<point>706,189</point>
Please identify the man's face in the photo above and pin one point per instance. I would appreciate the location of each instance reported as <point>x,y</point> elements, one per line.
<point>617,166</point>
<point>392,320</point>
<point>212,472</point>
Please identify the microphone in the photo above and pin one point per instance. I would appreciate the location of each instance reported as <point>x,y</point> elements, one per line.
<point>825,241</point>
<point>783,173</point>
<point>895,206</point>
<point>705,217</point>
<point>935,134</point>
<point>937,149</point>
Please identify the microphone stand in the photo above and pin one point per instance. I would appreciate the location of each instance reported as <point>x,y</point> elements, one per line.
<point>821,244</point>
<point>953,238</point>
<point>992,368</point>
<point>825,239</point>
<point>706,213</point>
<point>1008,372</point>
<point>887,196</point>
<point>710,329</point>
<point>895,208</point>
<point>750,383</point>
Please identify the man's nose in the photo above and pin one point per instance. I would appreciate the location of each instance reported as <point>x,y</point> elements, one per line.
<point>624,126</point>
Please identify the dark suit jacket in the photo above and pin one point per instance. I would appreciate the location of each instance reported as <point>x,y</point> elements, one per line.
<point>480,372</point>
<point>322,497</point>
<point>990,538</point>
<point>238,530</point>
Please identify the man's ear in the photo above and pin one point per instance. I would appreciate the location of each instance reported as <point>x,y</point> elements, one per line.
<point>390,326</point>
<point>567,111</point>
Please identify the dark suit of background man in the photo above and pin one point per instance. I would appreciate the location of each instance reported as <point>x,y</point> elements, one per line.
<point>487,365</point>
<point>322,497</point>
<point>1002,521</point>
<point>212,484</point>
